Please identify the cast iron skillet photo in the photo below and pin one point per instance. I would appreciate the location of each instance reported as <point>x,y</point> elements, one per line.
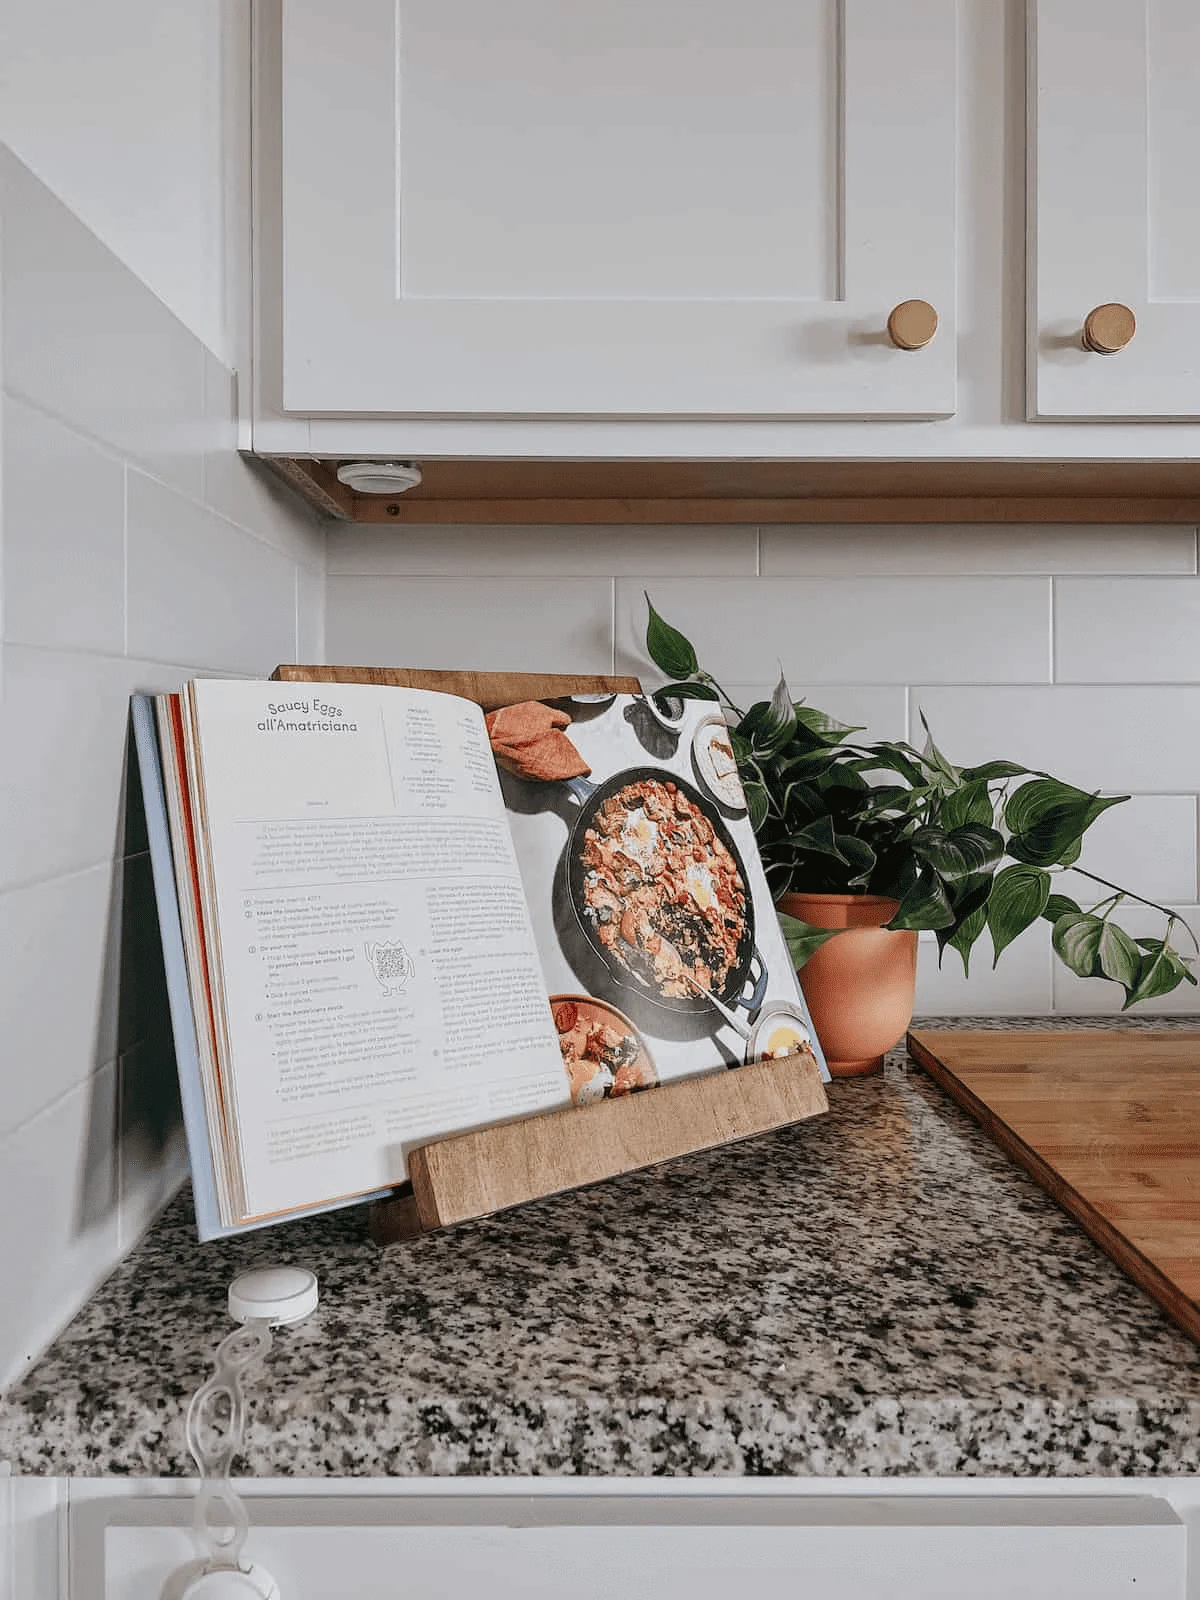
<point>746,982</point>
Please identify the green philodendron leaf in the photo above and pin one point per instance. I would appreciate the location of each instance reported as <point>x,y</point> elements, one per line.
<point>826,729</point>
<point>1072,853</point>
<point>958,854</point>
<point>756,802</point>
<point>924,904</point>
<point>901,758</point>
<point>1119,958</point>
<point>934,757</point>
<point>800,803</point>
<point>1047,818</point>
<point>808,764</point>
<point>1160,971</point>
<point>803,940</point>
<point>667,647</point>
<point>1059,905</point>
<point>770,724</point>
<point>684,691</point>
<point>819,838</point>
<point>970,803</point>
<point>889,797</point>
<point>755,721</point>
<point>965,935</point>
<point>1076,938</point>
<point>860,857</point>
<point>1017,900</point>
<point>990,771</point>
<point>842,790</point>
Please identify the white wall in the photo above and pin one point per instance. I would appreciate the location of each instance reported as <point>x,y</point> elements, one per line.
<point>127,111</point>
<point>137,548</point>
<point>1073,649</point>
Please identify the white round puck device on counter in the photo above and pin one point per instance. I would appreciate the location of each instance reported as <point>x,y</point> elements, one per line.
<point>241,1583</point>
<point>277,1295</point>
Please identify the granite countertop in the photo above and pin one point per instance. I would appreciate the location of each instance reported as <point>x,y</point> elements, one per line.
<point>878,1291</point>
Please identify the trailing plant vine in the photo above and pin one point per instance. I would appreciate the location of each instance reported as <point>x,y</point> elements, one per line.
<point>962,849</point>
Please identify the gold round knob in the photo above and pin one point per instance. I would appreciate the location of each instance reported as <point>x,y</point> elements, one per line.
<point>1108,329</point>
<point>912,324</point>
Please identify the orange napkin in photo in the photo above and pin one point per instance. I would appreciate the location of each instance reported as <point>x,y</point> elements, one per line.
<point>528,741</point>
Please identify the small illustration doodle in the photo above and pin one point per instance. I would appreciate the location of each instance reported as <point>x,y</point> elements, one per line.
<point>391,963</point>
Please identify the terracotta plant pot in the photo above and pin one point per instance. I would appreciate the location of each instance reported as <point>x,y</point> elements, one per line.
<point>860,987</point>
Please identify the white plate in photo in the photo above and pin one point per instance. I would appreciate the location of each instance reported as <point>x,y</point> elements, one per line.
<point>779,1031</point>
<point>716,770</point>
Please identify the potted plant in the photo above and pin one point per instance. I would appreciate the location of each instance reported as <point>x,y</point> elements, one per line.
<point>864,845</point>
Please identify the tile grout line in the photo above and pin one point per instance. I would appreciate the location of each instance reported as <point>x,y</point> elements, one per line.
<point>132,462</point>
<point>83,1084</point>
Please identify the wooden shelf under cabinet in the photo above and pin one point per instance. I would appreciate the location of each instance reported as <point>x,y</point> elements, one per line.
<point>552,493</point>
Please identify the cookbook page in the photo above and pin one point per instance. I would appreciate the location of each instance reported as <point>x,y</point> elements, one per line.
<point>657,934</point>
<point>381,983</point>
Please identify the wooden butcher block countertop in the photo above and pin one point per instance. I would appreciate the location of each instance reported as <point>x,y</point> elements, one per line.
<point>1109,1124</point>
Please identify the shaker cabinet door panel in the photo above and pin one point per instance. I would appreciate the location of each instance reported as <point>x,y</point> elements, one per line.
<point>688,208</point>
<point>1114,129</point>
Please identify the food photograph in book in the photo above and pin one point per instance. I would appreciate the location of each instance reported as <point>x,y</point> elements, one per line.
<point>655,927</point>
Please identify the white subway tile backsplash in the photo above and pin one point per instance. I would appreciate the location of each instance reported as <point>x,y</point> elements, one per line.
<point>59,1194</point>
<point>513,624</point>
<point>1018,985</point>
<point>1148,845</point>
<point>510,552</point>
<point>63,574</point>
<point>63,722</point>
<point>850,630</point>
<point>202,590</point>
<point>310,615</point>
<point>973,549</point>
<point>85,340</point>
<point>59,987</point>
<point>246,491</point>
<point>1122,630</point>
<point>879,709</point>
<point>104,389</point>
<point>1119,738</point>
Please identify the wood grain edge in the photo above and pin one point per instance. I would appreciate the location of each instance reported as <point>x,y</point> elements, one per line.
<point>318,483</point>
<point>476,1174</point>
<point>487,689</point>
<point>1127,1256</point>
<point>898,510</point>
<point>394,1219</point>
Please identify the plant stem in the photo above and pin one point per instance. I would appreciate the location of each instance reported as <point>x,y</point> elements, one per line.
<point>707,677</point>
<point>1173,916</point>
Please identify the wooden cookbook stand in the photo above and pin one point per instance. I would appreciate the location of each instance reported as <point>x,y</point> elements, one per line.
<point>474,1174</point>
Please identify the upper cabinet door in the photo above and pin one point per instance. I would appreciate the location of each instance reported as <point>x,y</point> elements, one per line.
<point>1114,131</point>
<point>617,208</point>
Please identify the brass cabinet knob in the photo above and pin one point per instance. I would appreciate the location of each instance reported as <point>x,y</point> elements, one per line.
<point>912,324</point>
<point>1108,329</point>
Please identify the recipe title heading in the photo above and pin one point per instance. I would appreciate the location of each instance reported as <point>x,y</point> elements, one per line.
<point>317,718</point>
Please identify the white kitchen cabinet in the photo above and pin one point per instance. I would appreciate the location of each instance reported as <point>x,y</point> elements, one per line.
<point>622,209</point>
<point>537,1539</point>
<point>1114,144</point>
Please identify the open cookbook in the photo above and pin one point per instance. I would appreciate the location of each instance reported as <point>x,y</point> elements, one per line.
<point>388,917</point>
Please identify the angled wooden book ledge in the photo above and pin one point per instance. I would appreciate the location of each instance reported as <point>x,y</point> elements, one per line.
<point>470,1175</point>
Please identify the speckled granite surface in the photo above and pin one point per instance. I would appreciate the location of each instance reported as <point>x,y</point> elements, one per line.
<point>875,1292</point>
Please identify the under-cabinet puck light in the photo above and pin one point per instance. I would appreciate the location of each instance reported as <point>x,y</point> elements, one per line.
<point>379,477</point>
<point>278,1295</point>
